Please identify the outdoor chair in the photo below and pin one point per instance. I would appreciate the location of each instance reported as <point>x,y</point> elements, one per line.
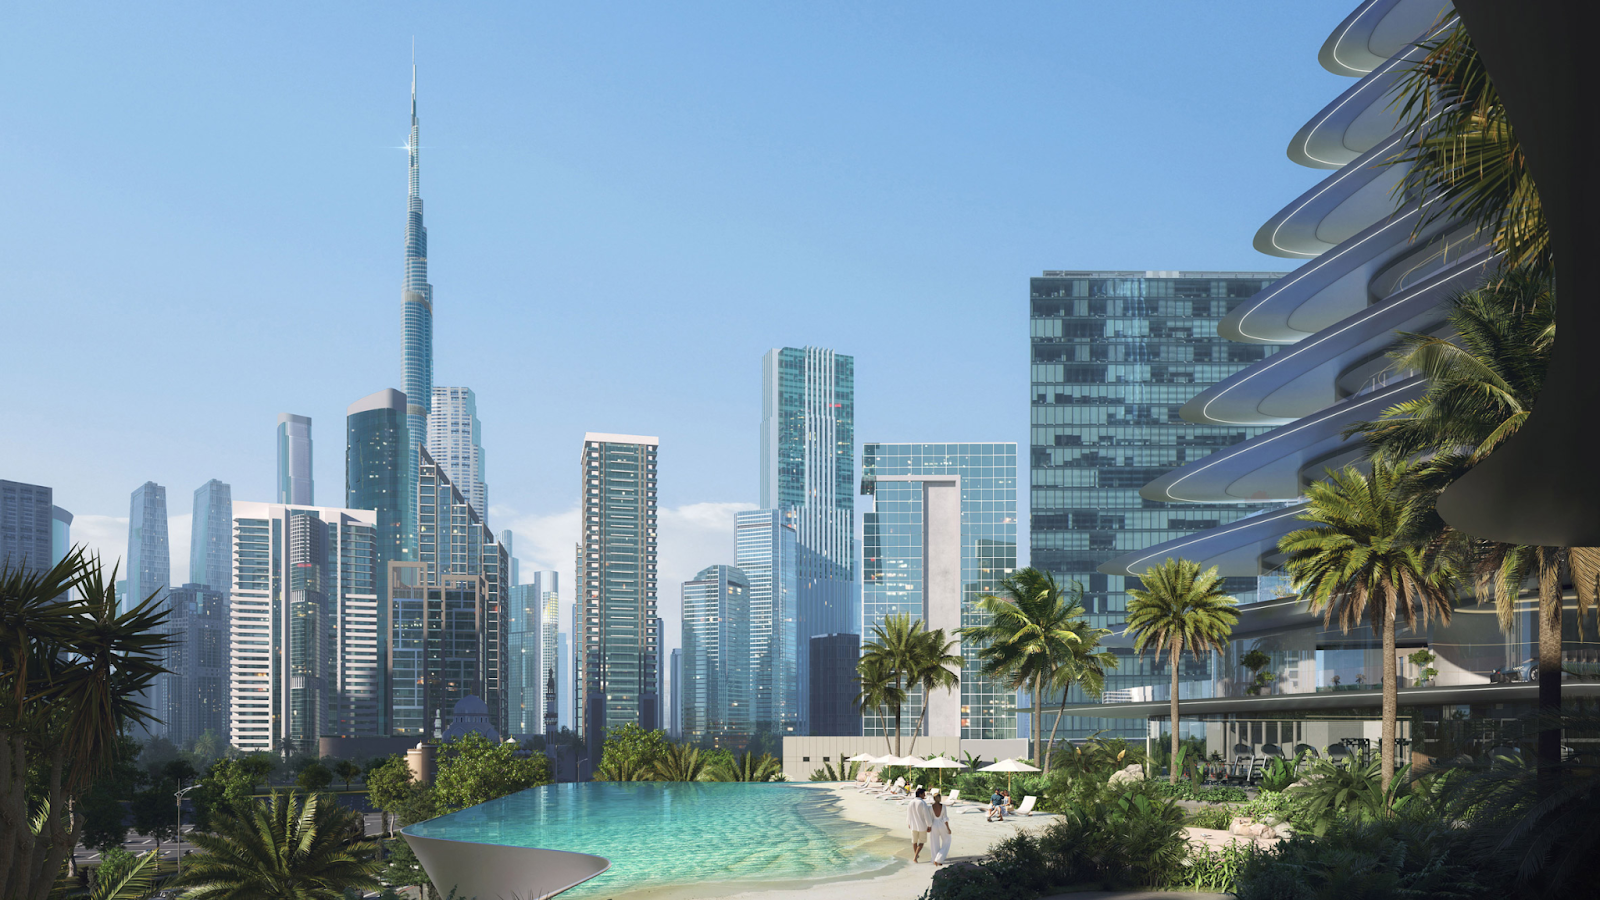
<point>1026,809</point>
<point>953,799</point>
<point>1339,753</point>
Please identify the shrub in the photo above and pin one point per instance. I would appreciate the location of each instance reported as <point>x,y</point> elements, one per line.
<point>969,881</point>
<point>1333,791</point>
<point>1214,817</point>
<point>1382,858</point>
<point>1280,774</point>
<point>1273,807</point>
<point>843,773</point>
<point>1185,790</point>
<point>1216,871</point>
<point>1129,838</point>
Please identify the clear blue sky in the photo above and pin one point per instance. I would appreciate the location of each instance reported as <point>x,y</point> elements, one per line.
<point>201,211</point>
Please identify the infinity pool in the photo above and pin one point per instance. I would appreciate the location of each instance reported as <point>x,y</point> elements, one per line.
<point>659,833</point>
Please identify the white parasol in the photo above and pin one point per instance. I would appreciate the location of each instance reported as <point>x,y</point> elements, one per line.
<point>1008,766</point>
<point>939,762</point>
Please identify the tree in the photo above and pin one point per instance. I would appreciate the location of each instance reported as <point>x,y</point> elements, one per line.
<point>389,787</point>
<point>1030,632</point>
<point>402,867</point>
<point>1360,560</point>
<point>229,784</point>
<point>894,646</point>
<point>1084,665</point>
<point>1255,661</point>
<point>284,849</point>
<point>749,767</point>
<point>880,690</point>
<point>1481,388</point>
<point>347,770</point>
<point>72,675</point>
<point>1180,607</point>
<point>630,753</point>
<point>474,769</point>
<point>104,817</point>
<point>933,668</point>
<point>314,778</point>
<point>155,813</point>
<point>681,762</point>
<point>122,875</point>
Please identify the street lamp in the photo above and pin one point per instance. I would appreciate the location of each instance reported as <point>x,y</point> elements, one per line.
<point>179,796</point>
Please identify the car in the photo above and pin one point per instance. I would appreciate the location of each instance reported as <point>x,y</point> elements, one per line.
<point>1529,671</point>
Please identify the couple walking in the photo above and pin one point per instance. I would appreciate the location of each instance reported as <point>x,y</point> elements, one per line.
<point>929,825</point>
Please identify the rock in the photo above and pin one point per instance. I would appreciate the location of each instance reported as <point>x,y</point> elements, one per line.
<point>1127,775</point>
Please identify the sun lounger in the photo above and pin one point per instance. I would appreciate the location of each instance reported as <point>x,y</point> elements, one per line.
<point>1026,809</point>
<point>953,799</point>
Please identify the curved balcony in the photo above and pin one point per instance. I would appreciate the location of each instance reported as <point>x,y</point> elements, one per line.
<point>1341,206</point>
<point>1377,30</point>
<point>1235,549</point>
<point>1316,372</point>
<point>1271,466</point>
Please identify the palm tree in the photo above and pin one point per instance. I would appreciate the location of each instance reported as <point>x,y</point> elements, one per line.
<point>880,690</point>
<point>1084,665</point>
<point>1481,388</point>
<point>933,668</point>
<point>895,647</point>
<point>1361,560</point>
<point>681,762</point>
<point>1180,606</point>
<point>281,850</point>
<point>750,767</point>
<point>1030,631</point>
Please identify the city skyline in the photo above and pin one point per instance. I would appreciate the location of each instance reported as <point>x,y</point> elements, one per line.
<point>698,503</point>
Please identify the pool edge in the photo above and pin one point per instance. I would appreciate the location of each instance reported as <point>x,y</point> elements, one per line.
<point>501,872</point>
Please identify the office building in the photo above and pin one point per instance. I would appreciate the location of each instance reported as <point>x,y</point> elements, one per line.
<point>833,694</point>
<point>211,537</point>
<point>942,532</point>
<point>376,476</point>
<point>675,701</point>
<point>766,550</point>
<point>660,692</point>
<point>193,695</point>
<point>455,441</point>
<point>436,647</point>
<point>303,616</point>
<point>808,471</point>
<point>716,658</point>
<point>295,486</point>
<point>416,297</point>
<point>507,539</point>
<point>27,526</point>
<point>149,559</point>
<point>616,644</point>
<point>564,687</point>
<point>525,683</point>
<point>454,547</point>
<point>60,535</point>
<point>547,586</point>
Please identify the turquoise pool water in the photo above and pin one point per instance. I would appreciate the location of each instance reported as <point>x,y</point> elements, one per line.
<point>656,833</point>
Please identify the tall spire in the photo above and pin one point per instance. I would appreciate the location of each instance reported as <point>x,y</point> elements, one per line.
<point>416,315</point>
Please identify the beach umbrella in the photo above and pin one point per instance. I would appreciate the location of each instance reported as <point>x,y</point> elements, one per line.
<point>940,763</point>
<point>860,757</point>
<point>1008,766</point>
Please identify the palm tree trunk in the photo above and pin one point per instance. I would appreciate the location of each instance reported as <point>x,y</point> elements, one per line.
<point>920,719</point>
<point>1391,695</point>
<point>1038,718</point>
<point>1059,713</point>
<point>1172,768</point>
<point>897,709</point>
<point>1549,749</point>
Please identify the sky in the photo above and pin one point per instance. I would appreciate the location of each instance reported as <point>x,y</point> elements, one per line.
<point>202,207</point>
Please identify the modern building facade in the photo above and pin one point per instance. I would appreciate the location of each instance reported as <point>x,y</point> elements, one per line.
<point>766,551</point>
<point>616,644</point>
<point>834,691</point>
<point>416,306</point>
<point>525,661</point>
<point>455,441</point>
<point>211,537</point>
<point>60,534</point>
<point>295,485</point>
<point>149,557</point>
<point>547,585</point>
<point>437,632</point>
<point>303,627</point>
<point>675,695</point>
<point>27,526</point>
<point>565,691</point>
<point>942,532</point>
<point>717,663</point>
<point>193,696</point>
<point>376,476</point>
<point>808,472</point>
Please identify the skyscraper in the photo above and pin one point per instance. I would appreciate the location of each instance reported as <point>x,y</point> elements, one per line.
<point>547,585</point>
<point>935,506</point>
<point>195,692</point>
<point>807,471</point>
<point>675,695</point>
<point>294,460</point>
<point>26,526</point>
<point>716,658</point>
<point>455,441</point>
<point>765,550</point>
<point>616,644</point>
<point>506,540</point>
<point>834,692</point>
<point>149,560</point>
<point>375,474</point>
<point>211,537</point>
<point>525,687</point>
<point>564,688</point>
<point>304,620</point>
<point>416,316</point>
<point>60,534</point>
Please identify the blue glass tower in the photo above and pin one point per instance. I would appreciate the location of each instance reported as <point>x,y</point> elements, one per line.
<point>417,319</point>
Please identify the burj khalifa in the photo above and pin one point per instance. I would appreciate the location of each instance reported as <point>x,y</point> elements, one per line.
<point>417,326</point>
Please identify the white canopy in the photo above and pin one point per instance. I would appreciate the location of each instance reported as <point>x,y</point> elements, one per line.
<point>1009,765</point>
<point>861,757</point>
<point>939,762</point>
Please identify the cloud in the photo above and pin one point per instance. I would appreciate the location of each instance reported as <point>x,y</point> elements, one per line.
<point>692,536</point>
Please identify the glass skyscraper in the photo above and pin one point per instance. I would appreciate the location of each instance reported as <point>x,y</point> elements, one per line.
<point>211,537</point>
<point>294,460</point>
<point>927,501</point>
<point>547,584</point>
<point>1114,357</point>
<point>717,666</point>
<point>808,473</point>
<point>375,472</point>
<point>193,694</point>
<point>416,316</point>
<point>525,685</point>
<point>616,643</point>
<point>765,550</point>
<point>26,526</point>
<point>149,557</point>
<point>455,441</point>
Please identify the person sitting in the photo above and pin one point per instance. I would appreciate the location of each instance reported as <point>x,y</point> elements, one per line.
<point>997,806</point>
<point>1006,805</point>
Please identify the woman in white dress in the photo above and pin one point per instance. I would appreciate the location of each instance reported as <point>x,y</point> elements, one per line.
<point>939,833</point>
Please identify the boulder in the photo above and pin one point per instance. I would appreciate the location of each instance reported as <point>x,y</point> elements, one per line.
<point>1128,775</point>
